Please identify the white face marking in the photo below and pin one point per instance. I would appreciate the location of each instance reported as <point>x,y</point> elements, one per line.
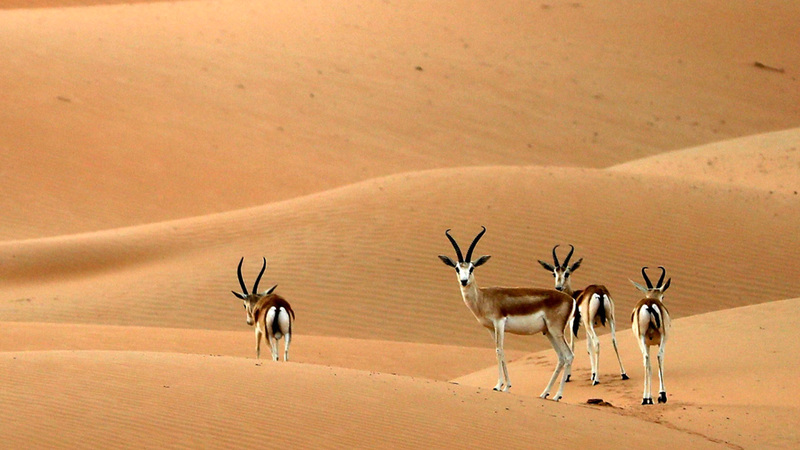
<point>248,307</point>
<point>464,271</point>
<point>560,276</point>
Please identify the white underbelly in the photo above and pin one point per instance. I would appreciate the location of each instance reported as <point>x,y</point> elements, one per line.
<point>531,324</point>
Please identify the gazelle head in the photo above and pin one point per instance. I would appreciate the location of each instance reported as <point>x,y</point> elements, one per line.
<point>465,266</point>
<point>250,299</point>
<point>650,292</point>
<point>562,271</point>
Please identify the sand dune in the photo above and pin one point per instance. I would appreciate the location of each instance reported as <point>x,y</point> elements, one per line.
<point>104,397</point>
<point>770,162</point>
<point>100,399</point>
<point>136,113</point>
<point>371,249</point>
<point>148,145</point>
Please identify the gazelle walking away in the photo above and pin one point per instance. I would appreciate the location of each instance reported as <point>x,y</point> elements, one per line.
<point>594,308</point>
<point>516,310</point>
<point>270,313</point>
<point>650,323</point>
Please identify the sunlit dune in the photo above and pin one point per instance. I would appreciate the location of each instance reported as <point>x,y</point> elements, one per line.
<point>147,146</point>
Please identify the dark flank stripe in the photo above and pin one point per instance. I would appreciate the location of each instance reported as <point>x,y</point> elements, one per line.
<point>586,295</point>
<point>268,302</point>
<point>527,301</point>
<point>655,315</point>
<point>647,302</point>
<point>576,322</point>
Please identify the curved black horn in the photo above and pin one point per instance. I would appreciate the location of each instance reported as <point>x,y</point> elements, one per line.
<point>555,258</point>
<point>241,280</point>
<point>646,280</point>
<point>258,279</point>
<point>474,242</point>
<point>455,246</point>
<point>569,255</point>
<point>661,280</point>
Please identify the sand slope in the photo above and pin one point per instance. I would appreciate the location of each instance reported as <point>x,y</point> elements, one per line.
<point>136,113</point>
<point>770,162</point>
<point>729,376</point>
<point>100,399</point>
<point>371,249</point>
<point>104,397</point>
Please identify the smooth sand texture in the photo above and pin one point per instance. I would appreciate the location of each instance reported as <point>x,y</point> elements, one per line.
<point>147,146</point>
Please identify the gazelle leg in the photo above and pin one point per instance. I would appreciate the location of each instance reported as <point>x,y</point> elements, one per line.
<point>612,325</point>
<point>662,390</point>
<point>287,338</point>
<point>571,343</point>
<point>564,360</point>
<point>273,345</point>
<point>502,368</point>
<point>258,342</point>
<point>647,398</point>
<point>593,343</point>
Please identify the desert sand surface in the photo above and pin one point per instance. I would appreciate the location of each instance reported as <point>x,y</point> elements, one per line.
<point>146,146</point>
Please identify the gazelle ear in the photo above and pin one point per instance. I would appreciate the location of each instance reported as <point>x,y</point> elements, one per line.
<point>241,296</point>
<point>638,286</point>
<point>576,265</point>
<point>666,285</point>
<point>548,267</point>
<point>269,291</point>
<point>447,260</point>
<point>482,260</point>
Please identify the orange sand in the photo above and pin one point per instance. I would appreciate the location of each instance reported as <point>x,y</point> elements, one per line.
<point>147,146</point>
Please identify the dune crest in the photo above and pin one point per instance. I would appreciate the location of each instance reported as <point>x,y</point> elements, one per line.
<point>770,162</point>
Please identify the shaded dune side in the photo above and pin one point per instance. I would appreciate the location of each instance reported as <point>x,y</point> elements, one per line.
<point>430,361</point>
<point>730,376</point>
<point>132,399</point>
<point>769,161</point>
<point>360,261</point>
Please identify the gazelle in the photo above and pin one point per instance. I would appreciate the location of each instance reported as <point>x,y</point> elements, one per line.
<point>594,308</point>
<point>516,310</point>
<point>270,313</point>
<point>650,324</point>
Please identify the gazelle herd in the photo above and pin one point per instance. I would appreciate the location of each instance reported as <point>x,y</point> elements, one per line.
<point>556,311</point>
<point>526,311</point>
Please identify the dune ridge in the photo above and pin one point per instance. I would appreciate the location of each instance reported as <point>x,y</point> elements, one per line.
<point>769,161</point>
<point>323,246</point>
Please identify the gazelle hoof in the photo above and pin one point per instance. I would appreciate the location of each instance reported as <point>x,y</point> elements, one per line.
<point>556,398</point>
<point>647,401</point>
<point>545,395</point>
<point>625,377</point>
<point>662,397</point>
<point>595,383</point>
